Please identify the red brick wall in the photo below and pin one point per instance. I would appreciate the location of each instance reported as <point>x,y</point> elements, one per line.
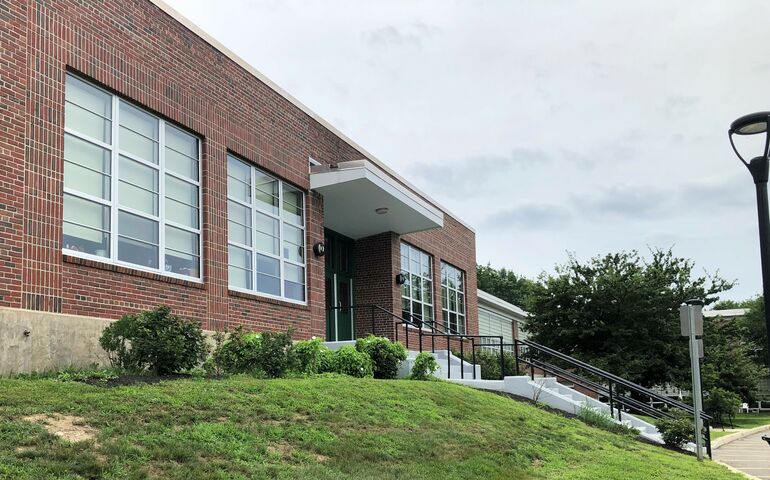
<point>137,51</point>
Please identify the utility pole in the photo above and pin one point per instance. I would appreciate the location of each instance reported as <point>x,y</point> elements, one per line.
<point>691,318</point>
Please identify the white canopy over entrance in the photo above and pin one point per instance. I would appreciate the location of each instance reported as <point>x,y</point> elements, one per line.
<point>361,199</point>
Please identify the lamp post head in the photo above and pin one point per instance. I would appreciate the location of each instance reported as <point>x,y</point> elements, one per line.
<point>753,124</point>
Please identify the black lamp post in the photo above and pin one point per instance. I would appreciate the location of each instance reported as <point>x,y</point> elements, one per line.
<point>754,124</point>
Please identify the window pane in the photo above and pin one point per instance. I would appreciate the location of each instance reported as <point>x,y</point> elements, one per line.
<point>238,170</point>
<point>294,291</point>
<point>181,141</point>
<point>266,243</point>
<point>138,174</point>
<point>88,97</point>
<point>238,277</point>
<point>268,266</point>
<point>180,213</point>
<point>269,285</point>
<point>182,263</point>
<point>266,193</point>
<point>182,241</point>
<point>137,145</point>
<point>292,205</point>
<point>86,181</point>
<point>86,213</point>
<point>87,123</point>
<point>137,198</point>
<point>86,240</point>
<point>181,164</point>
<point>238,190</point>
<point>138,121</point>
<point>293,244</point>
<point>238,233</point>
<point>138,253</point>
<point>294,273</point>
<point>181,191</point>
<point>238,257</point>
<point>267,233</point>
<point>86,154</point>
<point>137,227</point>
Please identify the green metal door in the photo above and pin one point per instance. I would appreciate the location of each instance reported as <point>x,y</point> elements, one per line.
<point>339,287</point>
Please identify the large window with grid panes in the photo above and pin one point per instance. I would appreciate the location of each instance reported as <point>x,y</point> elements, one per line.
<point>266,233</point>
<point>131,185</point>
<point>417,290</point>
<point>453,298</point>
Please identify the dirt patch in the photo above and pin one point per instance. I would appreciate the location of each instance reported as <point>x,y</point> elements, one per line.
<point>67,427</point>
<point>282,448</point>
<point>321,458</point>
<point>124,380</point>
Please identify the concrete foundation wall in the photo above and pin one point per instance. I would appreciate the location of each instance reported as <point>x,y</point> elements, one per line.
<point>34,341</point>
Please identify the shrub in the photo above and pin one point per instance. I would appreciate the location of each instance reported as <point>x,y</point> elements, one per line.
<point>93,374</point>
<point>677,431</point>
<point>424,367</point>
<point>213,366</point>
<point>154,340</point>
<point>603,420</point>
<point>326,361</point>
<point>239,353</point>
<point>275,353</point>
<point>309,356</point>
<point>490,363</point>
<point>349,361</point>
<point>721,403</point>
<point>386,356</point>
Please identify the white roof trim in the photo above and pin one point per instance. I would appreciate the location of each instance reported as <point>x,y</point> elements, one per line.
<point>490,300</point>
<point>170,11</point>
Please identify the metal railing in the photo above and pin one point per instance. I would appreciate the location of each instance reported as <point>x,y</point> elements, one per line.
<point>621,394</point>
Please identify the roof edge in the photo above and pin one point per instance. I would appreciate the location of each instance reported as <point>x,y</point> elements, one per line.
<point>500,303</point>
<point>187,23</point>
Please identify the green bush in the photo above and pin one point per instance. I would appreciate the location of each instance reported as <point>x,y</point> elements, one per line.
<point>275,353</point>
<point>87,375</point>
<point>309,356</point>
<point>677,431</point>
<point>490,362</point>
<point>603,420</point>
<point>386,356</point>
<point>326,361</point>
<point>722,405</point>
<point>154,340</point>
<point>424,367</point>
<point>239,353</point>
<point>349,361</point>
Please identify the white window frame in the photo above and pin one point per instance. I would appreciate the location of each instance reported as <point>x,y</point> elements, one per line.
<point>254,210</point>
<point>114,202</point>
<point>427,324</point>
<point>446,291</point>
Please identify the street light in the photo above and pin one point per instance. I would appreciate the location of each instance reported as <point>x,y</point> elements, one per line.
<point>754,124</point>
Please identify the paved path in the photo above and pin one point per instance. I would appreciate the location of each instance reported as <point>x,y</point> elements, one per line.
<point>750,454</point>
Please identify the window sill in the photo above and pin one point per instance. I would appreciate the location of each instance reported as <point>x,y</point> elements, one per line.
<point>87,262</point>
<point>262,298</point>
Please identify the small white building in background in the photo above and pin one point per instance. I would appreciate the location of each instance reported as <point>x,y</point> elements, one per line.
<point>500,318</point>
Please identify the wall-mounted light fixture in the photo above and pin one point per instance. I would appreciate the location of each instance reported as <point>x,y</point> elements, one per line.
<point>400,279</point>
<point>319,249</point>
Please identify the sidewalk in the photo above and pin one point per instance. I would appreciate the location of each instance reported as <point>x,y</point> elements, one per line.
<point>749,454</point>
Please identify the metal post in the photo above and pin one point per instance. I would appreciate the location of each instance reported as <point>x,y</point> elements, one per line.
<point>612,412</point>
<point>448,359</point>
<point>759,171</point>
<point>462,359</point>
<point>707,425</point>
<point>690,309</point>
<point>516,355</point>
<point>419,335</point>
<point>473,347</point>
<point>502,360</point>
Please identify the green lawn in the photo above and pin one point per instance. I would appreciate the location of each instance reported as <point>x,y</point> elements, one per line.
<point>743,421</point>
<point>319,428</point>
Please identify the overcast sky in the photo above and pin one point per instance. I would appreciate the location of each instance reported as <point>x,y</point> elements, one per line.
<point>588,127</point>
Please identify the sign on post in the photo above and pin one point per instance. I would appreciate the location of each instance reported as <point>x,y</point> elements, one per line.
<point>691,318</point>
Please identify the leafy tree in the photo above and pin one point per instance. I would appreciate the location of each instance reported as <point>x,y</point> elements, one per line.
<point>505,284</point>
<point>754,323</point>
<point>729,361</point>
<point>620,312</point>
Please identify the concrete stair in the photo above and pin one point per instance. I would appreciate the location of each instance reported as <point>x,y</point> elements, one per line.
<point>454,368</point>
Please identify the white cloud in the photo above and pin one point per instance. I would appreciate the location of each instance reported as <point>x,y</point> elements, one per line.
<point>629,102</point>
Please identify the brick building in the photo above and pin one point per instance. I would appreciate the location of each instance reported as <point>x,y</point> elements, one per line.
<point>143,163</point>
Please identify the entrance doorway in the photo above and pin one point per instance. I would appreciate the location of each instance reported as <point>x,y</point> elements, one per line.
<point>339,287</point>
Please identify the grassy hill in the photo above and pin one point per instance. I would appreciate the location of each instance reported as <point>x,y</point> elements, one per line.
<point>324,428</point>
